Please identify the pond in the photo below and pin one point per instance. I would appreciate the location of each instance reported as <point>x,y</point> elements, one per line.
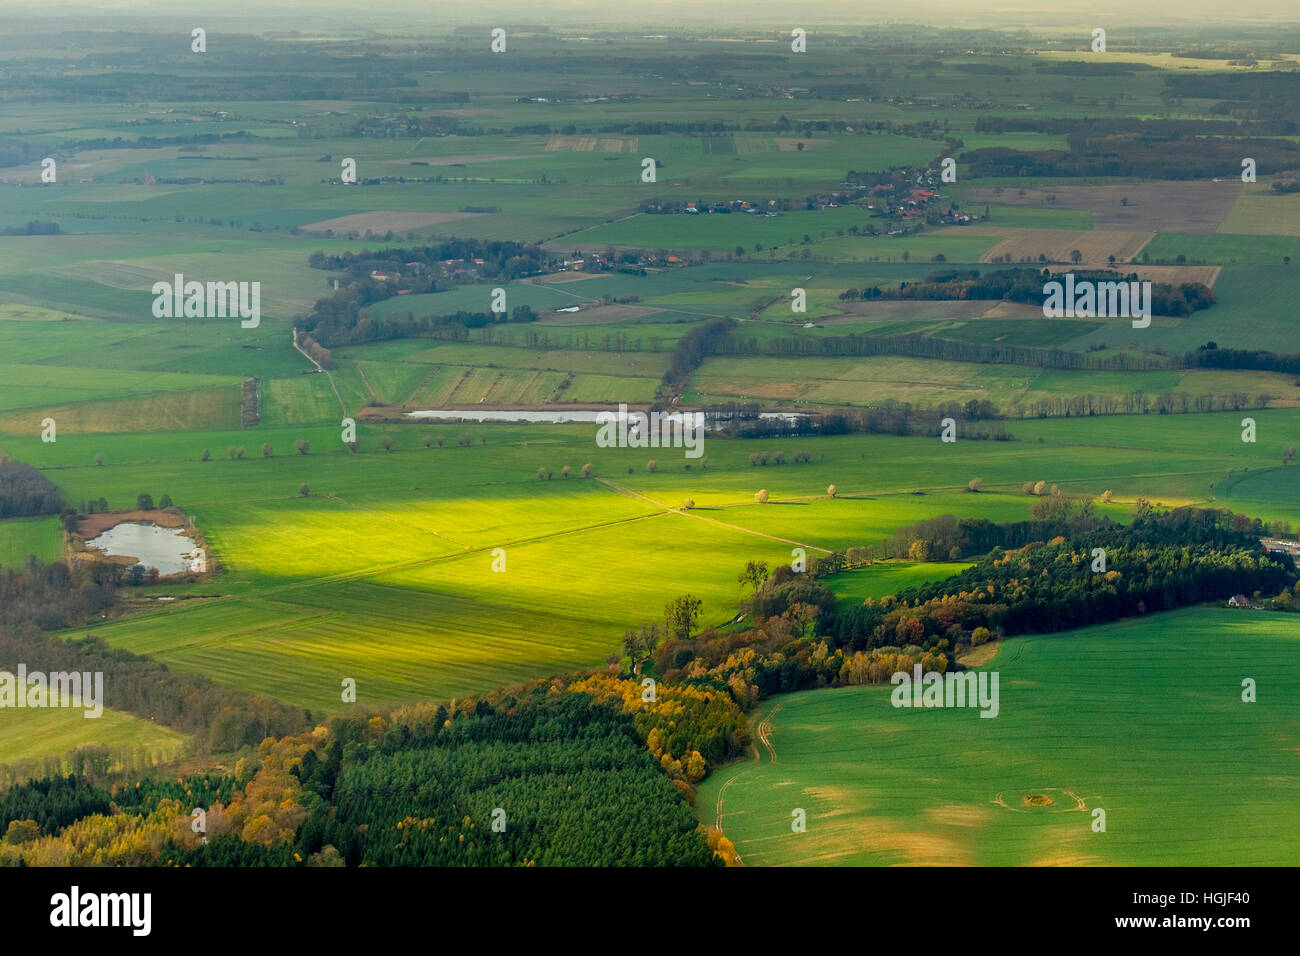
<point>166,549</point>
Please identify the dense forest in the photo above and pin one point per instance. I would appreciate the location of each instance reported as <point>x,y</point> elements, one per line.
<point>549,779</point>
<point>1159,562</point>
<point>1211,356</point>
<point>1037,577</point>
<point>342,318</point>
<point>1026,285</point>
<point>1152,157</point>
<point>492,258</point>
<point>25,492</point>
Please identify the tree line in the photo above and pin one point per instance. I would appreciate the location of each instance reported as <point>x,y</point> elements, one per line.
<point>1026,285</point>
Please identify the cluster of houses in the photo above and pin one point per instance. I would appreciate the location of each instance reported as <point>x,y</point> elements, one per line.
<point>594,262</point>
<point>1282,548</point>
<point>694,207</point>
<point>916,203</point>
<point>758,207</point>
<point>457,270</point>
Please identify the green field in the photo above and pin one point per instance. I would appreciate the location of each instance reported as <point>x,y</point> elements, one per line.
<point>1141,719</point>
<point>29,734</point>
<point>385,574</point>
<point>20,537</point>
<point>383,571</point>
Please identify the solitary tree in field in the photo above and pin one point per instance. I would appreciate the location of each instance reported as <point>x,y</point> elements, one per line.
<point>754,575</point>
<point>428,441</point>
<point>1076,256</point>
<point>761,496</point>
<point>302,445</point>
<point>1288,455</point>
<point>831,491</point>
<point>688,504</point>
<point>99,459</point>
<point>387,442</point>
<point>266,449</point>
<point>304,490</point>
<point>1106,496</point>
<point>681,614</point>
<point>207,455</point>
<point>975,484</point>
<point>564,472</point>
<point>651,465</point>
<point>586,470</point>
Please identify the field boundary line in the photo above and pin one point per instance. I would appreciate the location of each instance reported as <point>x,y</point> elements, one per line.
<point>343,408</point>
<point>722,524</point>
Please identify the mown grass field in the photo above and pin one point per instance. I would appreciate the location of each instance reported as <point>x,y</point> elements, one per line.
<point>1141,718</point>
<point>20,537</point>
<point>27,734</point>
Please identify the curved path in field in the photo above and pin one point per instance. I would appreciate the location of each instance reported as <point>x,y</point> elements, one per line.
<point>763,732</point>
